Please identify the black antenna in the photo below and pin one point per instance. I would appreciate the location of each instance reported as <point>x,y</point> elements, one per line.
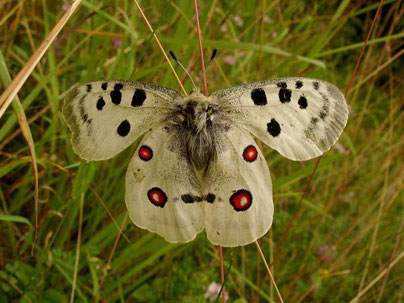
<point>179,63</point>
<point>213,55</point>
<point>172,55</point>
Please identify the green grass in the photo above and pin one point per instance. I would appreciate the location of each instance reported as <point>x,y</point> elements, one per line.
<point>349,228</point>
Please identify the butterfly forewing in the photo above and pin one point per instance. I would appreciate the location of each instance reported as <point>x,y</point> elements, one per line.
<point>238,182</point>
<point>107,116</point>
<point>162,191</point>
<point>299,117</point>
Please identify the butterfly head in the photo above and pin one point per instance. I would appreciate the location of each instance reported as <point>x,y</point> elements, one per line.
<point>197,111</point>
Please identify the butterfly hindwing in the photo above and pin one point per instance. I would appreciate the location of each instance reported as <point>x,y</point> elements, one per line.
<point>238,183</point>
<point>107,116</point>
<point>299,117</point>
<point>162,190</point>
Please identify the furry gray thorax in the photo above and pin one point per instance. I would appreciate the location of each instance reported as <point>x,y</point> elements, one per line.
<point>199,123</point>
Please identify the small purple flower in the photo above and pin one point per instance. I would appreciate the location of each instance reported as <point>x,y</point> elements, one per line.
<point>326,253</point>
<point>267,19</point>
<point>351,111</point>
<point>339,147</point>
<point>230,60</point>
<point>238,20</point>
<point>116,42</point>
<point>223,28</point>
<point>213,290</point>
<point>66,6</point>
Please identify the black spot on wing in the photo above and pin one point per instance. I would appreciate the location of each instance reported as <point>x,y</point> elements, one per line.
<point>118,86</point>
<point>198,199</point>
<point>259,97</point>
<point>138,98</point>
<point>123,128</point>
<point>188,198</point>
<point>85,117</point>
<point>116,96</point>
<point>89,87</point>
<point>316,85</point>
<point>104,85</point>
<point>299,84</point>
<point>273,128</point>
<point>100,103</point>
<point>210,198</point>
<point>302,102</point>
<point>281,85</point>
<point>285,95</point>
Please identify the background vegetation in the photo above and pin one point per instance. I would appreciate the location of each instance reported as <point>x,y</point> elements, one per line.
<point>346,240</point>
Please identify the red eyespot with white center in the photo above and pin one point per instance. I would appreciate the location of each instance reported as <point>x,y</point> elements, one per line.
<point>145,153</point>
<point>157,196</point>
<point>241,200</point>
<point>250,153</point>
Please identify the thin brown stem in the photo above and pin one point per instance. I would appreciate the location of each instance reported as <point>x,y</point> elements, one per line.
<point>222,272</point>
<point>198,27</point>
<point>109,213</point>
<point>268,270</point>
<point>363,49</point>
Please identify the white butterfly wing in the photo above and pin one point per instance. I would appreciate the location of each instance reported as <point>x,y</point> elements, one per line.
<point>107,116</point>
<point>299,117</point>
<point>162,190</point>
<point>238,189</point>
